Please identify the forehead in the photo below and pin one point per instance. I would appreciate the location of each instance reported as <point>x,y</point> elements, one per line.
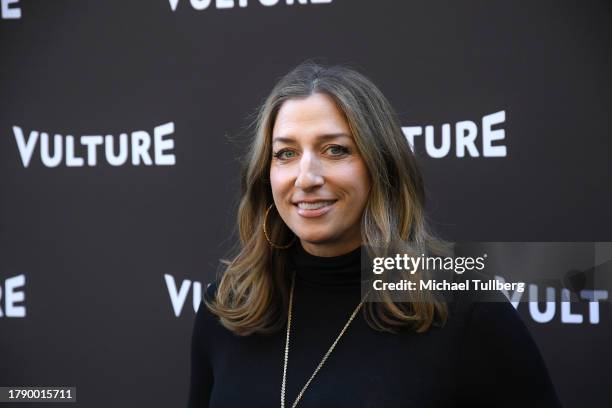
<point>309,117</point>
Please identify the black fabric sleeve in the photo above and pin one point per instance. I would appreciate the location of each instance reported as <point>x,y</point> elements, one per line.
<point>500,364</point>
<point>201,379</point>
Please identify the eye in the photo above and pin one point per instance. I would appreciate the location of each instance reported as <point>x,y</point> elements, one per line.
<point>337,150</point>
<point>282,156</point>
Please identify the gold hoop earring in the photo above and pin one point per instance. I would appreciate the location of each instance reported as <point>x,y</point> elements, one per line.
<point>272,244</point>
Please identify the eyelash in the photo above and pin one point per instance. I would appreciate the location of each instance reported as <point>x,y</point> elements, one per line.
<point>278,155</point>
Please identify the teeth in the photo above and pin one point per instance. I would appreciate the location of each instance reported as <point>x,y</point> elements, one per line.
<point>314,206</point>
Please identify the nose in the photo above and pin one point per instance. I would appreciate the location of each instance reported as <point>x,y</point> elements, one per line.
<point>310,173</point>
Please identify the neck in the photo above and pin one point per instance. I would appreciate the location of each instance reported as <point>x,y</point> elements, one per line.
<point>333,272</point>
<point>330,250</point>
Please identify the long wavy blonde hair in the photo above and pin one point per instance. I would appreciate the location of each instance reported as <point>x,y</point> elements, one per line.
<point>253,290</point>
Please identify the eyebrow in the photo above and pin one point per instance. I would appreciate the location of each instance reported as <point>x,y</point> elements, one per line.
<point>320,138</point>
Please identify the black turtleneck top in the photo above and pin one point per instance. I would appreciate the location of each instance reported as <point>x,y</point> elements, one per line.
<point>484,355</point>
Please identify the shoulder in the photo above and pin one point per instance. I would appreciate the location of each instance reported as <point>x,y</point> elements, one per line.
<point>497,348</point>
<point>211,290</point>
<point>205,320</point>
<point>489,326</point>
<point>204,314</point>
<point>487,314</point>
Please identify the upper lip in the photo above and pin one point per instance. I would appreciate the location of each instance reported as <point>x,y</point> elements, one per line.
<point>313,200</point>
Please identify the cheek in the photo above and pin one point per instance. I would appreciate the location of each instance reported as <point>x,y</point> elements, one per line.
<point>360,183</point>
<point>274,185</point>
<point>366,185</point>
<point>278,183</point>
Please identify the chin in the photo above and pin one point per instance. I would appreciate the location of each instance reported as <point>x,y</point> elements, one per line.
<point>314,237</point>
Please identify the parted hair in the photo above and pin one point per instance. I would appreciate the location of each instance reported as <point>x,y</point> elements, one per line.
<point>253,290</point>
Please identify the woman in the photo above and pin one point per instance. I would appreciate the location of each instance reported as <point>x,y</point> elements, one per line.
<point>328,174</point>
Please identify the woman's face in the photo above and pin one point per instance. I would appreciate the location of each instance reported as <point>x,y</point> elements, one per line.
<point>320,182</point>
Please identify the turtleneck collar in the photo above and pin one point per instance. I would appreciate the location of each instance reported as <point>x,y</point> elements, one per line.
<point>342,271</point>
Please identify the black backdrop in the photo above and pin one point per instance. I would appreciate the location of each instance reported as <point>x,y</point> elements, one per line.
<point>100,265</point>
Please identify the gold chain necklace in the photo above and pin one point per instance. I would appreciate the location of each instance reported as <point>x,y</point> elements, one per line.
<point>324,357</point>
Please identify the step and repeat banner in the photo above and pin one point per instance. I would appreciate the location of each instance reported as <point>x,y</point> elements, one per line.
<point>122,124</point>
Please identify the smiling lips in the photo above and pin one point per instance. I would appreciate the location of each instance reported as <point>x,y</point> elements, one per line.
<point>314,209</point>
